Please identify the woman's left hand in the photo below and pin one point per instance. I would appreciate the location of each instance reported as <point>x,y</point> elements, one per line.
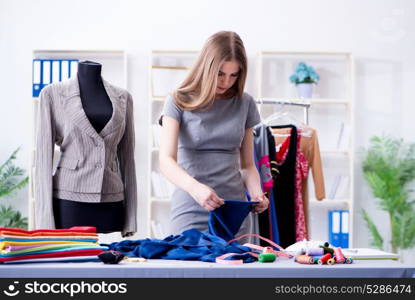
<point>262,204</point>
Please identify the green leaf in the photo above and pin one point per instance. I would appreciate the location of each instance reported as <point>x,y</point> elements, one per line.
<point>10,217</point>
<point>377,240</point>
<point>389,169</point>
<point>10,176</point>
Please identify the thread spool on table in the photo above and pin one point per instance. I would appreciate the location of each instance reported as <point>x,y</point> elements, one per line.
<point>339,255</point>
<point>316,258</point>
<point>266,257</point>
<point>315,252</point>
<point>267,250</point>
<point>348,260</point>
<point>304,259</point>
<point>323,260</point>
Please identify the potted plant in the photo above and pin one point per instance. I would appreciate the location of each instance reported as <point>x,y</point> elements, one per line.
<point>304,78</point>
<point>10,180</point>
<point>389,169</point>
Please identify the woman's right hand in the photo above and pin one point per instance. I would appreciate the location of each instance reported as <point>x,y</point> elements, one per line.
<point>206,197</point>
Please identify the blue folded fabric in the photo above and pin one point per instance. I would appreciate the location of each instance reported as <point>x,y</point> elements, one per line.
<point>190,245</point>
<point>226,220</point>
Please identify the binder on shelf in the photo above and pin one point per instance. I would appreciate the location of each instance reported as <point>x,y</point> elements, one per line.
<point>47,71</point>
<point>339,228</point>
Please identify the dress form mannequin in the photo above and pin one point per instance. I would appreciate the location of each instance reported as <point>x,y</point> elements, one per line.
<point>95,101</point>
<point>105,216</point>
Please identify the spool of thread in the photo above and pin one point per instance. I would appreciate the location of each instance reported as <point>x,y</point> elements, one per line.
<point>267,250</point>
<point>348,260</point>
<point>339,255</point>
<point>331,261</point>
<point>315,251</point>
<point>316,258</point>
<point>323,260</point>
<point>266,257</point>
<point>304,259</point>
<point>327,250</point>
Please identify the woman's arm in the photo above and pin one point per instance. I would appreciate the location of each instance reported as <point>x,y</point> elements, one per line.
<point>250,173</point>
<point>203,194</point>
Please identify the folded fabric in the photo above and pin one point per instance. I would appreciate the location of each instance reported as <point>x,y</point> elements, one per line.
<point>41,234</point>
<point>91,237</point>
<point>84,229</point>
<point>75,243</point>
<point>226,220</point>
<point>53,248</point>
<point>54,254</point>
<point>15,248</point>
<point>18,247</point>
<point>190,245</point>
<point>46,240</point>
<point>85,258</point>
<point>5,244</point>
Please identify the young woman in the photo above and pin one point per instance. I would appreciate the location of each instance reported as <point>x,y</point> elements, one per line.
<point>206,138</point>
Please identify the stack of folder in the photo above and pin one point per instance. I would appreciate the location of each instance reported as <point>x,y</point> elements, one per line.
<point>79,243</point>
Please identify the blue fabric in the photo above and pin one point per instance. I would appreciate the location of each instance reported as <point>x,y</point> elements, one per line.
<point>226,220</point>
<point>190,245</point>
<point>274,221</point>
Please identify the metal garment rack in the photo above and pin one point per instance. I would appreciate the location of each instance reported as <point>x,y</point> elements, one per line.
<point>306,106</point>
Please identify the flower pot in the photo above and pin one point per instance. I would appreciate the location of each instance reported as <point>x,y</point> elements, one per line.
<point>304,90</point>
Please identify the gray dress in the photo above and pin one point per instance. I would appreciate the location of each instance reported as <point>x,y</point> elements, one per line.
<point>209,150</point>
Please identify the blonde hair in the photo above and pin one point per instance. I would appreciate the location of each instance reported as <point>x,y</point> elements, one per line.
<point>198,90</point>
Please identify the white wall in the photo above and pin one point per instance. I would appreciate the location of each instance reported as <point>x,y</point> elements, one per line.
<point>379,33</point>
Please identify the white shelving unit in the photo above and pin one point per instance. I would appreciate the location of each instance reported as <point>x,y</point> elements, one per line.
<point>332,105</point>
<point>167,70</point>
<point>114,69</point>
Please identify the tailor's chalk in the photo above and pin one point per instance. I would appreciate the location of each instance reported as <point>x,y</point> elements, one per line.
<point>135,259</point>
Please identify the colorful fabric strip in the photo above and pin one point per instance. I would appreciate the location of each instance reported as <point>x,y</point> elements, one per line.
<point>54,254</point>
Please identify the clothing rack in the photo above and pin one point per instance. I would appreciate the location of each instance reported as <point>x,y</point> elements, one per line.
<point>305,105</point>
